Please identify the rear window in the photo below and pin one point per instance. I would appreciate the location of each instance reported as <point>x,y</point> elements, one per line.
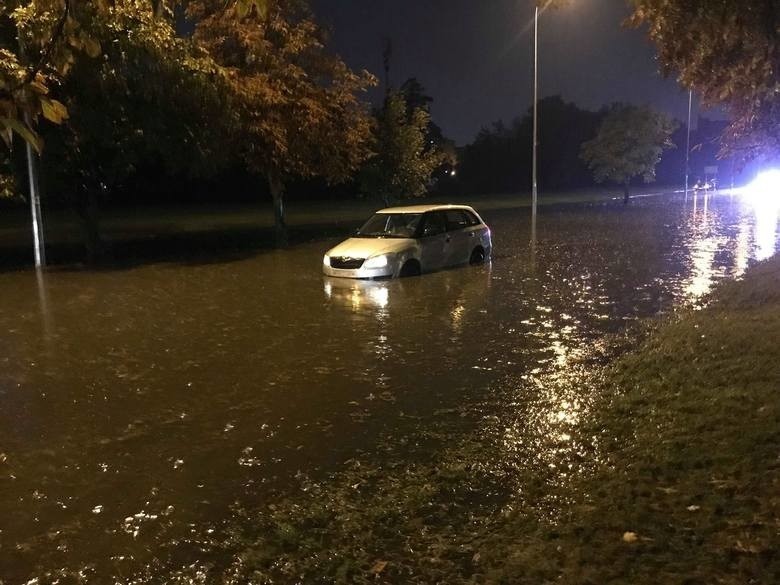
<point>457,219</point>
<point>460,218</point>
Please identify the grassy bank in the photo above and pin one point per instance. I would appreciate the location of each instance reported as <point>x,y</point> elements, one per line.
<point>669,474</point>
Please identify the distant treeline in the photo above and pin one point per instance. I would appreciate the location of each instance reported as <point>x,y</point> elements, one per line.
<point>499,158</point>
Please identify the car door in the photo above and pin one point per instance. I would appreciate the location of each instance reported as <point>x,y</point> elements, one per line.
<point>461,237</point>
<point>434,241</point>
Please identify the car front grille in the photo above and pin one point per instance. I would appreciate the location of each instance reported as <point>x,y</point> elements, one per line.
<point>346,263</point>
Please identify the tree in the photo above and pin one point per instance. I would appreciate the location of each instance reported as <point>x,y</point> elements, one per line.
<point>128,90</point>
<point>628,144</point>
<point>148,96</point>
<point>404,159</point>
<point>296,107</point>
<point>415,97</point>
<point>728,52</point>
<point>37,41</point>
<point>40,40</point>
<point>498,159</point>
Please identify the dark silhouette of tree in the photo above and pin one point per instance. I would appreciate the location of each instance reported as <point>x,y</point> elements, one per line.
<point>628,144</point>
<point>416,98</point>
<point>500,156</point>
<point>404,161</point>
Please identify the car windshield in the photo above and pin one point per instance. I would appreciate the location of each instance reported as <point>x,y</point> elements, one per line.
<point>390,225</point>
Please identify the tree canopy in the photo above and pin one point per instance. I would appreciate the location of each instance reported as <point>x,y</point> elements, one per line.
<point>405,159</point>
<point>254,85</point>
<point>296,105</point>
<point>628,144</point>
<point>41,41</point>
<point>729,53</point>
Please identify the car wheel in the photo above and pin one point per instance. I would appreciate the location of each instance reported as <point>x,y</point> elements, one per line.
<point>410,268</point>
<point>477,256</point>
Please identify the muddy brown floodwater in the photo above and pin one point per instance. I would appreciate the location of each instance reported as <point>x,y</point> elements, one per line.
<point>138,407</point>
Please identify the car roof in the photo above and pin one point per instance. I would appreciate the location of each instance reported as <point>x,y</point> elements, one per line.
<point>423,208</point>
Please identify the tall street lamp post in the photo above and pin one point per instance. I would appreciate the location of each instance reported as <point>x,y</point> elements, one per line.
<point>688,141</point>
<point>536,94</point>
<point>39,246</point>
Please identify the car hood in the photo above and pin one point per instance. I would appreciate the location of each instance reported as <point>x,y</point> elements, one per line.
<point>367,247</point>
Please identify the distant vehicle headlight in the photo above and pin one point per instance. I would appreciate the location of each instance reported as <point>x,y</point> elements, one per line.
<point>326,260</point>
<point>376,262</point>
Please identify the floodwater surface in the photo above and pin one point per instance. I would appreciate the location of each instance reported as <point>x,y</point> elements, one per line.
<point>139,408</point>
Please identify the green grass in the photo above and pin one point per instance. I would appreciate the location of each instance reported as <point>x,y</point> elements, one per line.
<point>676,480</point>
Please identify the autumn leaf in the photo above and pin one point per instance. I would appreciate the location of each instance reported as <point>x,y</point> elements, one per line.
<point>53,110</point>
<point>13,125</point>
<point>630,537</point>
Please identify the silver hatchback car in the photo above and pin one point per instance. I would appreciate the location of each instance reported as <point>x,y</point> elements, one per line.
<point>406,241</point>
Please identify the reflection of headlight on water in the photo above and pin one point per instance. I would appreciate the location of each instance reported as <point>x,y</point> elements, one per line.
<point>357,293</point>
<point>380,296</point>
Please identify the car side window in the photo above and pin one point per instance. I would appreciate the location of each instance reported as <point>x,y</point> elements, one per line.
<point>471,218</point>
<point>435,224</point>
<point>456,220</point>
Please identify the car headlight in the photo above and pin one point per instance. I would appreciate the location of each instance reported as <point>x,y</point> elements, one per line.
<point>376,262</point>
<point>326,260</point>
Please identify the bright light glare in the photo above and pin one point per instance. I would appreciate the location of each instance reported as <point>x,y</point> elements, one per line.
<point>764,192</point>
<point>766,184</point>
<point>326,260</point>
<point>764,195</point>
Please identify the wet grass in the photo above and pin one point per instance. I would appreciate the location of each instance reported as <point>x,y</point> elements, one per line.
<point>671,475</point>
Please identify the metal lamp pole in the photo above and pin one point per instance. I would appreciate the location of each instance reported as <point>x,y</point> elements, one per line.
<point>534,192</point>
<point>35,194</point>
<point>688,141</point>
<point>35,205</point>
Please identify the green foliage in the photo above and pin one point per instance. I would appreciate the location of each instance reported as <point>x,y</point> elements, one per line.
<point>39,41</point>
<point>150,95</point>
<point>405,159</point>
<point>628,144</point>
<point>728,52</point>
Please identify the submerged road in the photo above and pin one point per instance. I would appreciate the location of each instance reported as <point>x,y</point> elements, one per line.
<point>140,408</point>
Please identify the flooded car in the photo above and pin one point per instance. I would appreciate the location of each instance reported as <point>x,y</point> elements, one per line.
<point>407,241</point>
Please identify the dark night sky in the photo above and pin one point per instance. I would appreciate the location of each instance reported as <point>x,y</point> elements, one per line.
<point>474,57</point>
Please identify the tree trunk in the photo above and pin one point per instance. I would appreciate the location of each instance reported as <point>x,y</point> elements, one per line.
<point>276,187</point>
<point>88,212</point>
<point>625,192</point>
